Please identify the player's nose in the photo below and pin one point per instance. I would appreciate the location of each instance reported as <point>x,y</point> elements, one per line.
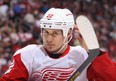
<point>49,38</point>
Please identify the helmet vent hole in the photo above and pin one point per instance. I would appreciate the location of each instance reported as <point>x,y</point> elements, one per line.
<point>44,25</point>
<point>50,26</point>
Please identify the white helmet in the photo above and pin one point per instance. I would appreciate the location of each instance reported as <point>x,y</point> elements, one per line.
<point>56,18</point>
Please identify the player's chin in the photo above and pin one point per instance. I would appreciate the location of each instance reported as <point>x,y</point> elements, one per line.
<point>49,48</point>
<point>52,50</point>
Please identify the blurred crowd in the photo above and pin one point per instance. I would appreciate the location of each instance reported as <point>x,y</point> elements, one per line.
<point>19,23</point>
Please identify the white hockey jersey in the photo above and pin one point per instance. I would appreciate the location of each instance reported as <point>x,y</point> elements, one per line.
<point>34,64</point>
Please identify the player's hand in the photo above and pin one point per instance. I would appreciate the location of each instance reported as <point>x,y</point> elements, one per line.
<point>78,37</point>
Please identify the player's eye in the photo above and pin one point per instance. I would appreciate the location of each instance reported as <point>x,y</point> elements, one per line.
<point>55,34</point>
<point>45,33</point>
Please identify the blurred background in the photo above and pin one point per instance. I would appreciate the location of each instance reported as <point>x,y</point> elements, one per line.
<point>19,23</point>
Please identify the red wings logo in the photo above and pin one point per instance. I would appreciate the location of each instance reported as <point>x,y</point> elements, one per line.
<point>52,74</point>
<point>49,16</point>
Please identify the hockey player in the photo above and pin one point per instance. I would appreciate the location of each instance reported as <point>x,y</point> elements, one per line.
<point>55,60</point>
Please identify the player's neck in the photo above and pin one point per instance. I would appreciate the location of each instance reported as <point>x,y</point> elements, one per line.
<point>63,50</point>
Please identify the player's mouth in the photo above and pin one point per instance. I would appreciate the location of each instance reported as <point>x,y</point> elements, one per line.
<point>50,46</point>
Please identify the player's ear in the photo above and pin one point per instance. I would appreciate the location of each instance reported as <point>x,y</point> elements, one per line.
<point>41,34</point>
<point>70,32</point>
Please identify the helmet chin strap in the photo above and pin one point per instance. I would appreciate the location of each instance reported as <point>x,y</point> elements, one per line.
<point>64,44</point>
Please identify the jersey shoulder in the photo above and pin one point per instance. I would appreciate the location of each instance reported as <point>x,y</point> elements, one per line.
<point>29,49</point>
<point>79,50</point>
<point>28,55</point>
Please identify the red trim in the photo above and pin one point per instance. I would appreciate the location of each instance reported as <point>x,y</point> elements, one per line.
<point>66,52</point>
<point>17,71</point>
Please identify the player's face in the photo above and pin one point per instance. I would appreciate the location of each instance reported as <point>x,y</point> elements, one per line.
<point>52,39</point>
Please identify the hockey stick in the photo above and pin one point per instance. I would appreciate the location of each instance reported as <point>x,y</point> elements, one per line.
<point>86,29</point>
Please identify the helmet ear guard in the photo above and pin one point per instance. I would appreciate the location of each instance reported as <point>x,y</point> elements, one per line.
<point>58,19</point>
